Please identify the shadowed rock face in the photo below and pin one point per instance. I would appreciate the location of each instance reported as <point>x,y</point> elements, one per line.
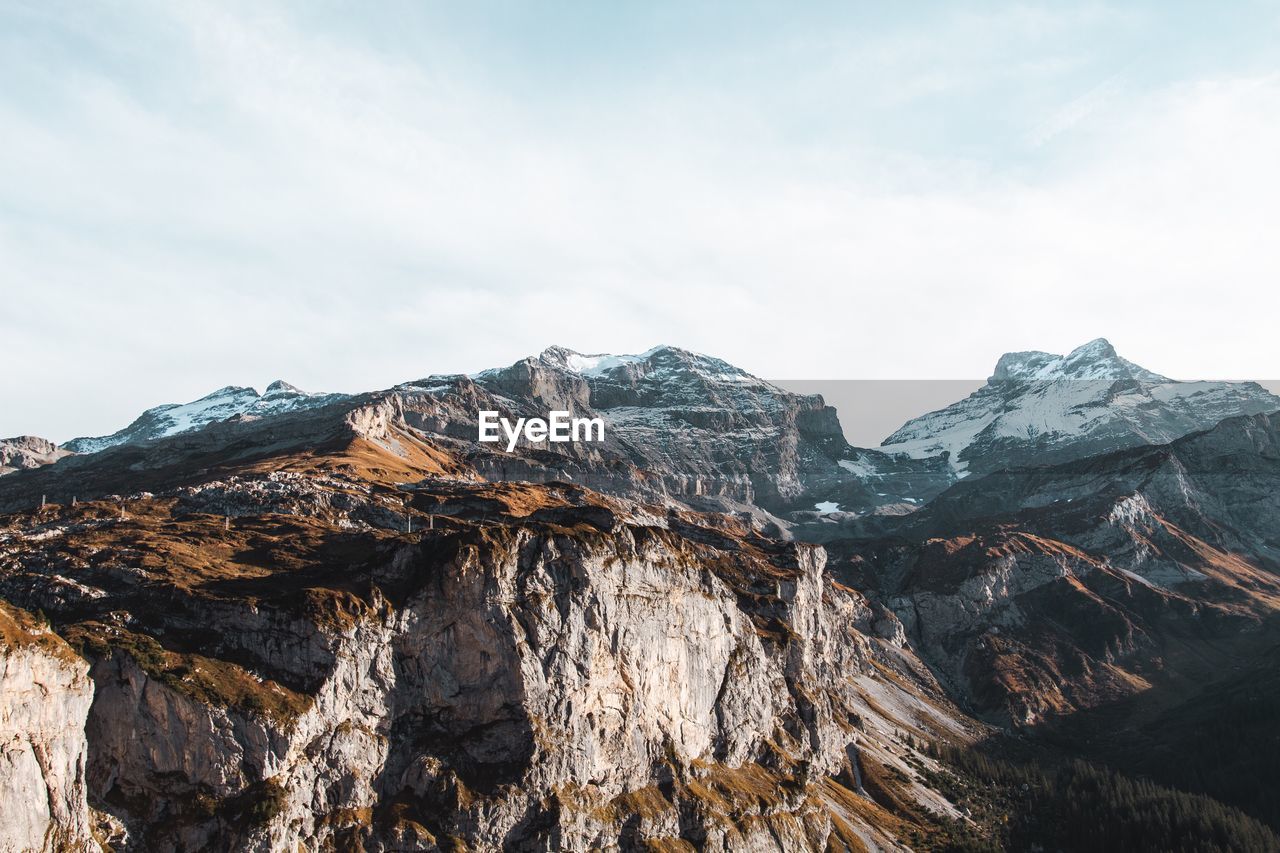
<point>706,428</point>
<point>1041,591</point>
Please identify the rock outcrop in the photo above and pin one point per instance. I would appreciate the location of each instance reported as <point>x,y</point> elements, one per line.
<point>26,452</point>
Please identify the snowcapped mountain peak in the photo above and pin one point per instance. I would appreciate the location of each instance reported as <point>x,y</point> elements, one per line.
<point>1096,360</point>
<point>1039,407</point>
<point>701,426</point>
<point>281,387</point>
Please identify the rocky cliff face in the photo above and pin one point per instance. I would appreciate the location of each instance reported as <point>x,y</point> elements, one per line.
<point>710,429</point>
<point>278,663</point>
<point>46,695</point>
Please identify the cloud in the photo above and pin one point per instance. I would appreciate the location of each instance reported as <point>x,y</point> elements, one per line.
<point>232,195</point>
<point>1076,110</point>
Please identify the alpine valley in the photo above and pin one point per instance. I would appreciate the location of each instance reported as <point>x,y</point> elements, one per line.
<point>1041,618</point>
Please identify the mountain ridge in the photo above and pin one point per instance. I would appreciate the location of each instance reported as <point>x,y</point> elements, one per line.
<point>679,424</point>
<point>227,402</point>
<point>711,430</point>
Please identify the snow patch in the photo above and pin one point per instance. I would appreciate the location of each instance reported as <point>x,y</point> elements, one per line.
<point>601,363</point>
<point>859,468</point>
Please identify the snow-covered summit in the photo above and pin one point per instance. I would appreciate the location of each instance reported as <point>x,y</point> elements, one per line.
<point>280,388</point>
<point>1095,360</point>
<point>1040,408</point>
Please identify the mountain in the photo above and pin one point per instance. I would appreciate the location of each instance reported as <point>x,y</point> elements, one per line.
<point>277,663</point>
<point>679,426</point>
<point>26,452</point>
<point>223,404</point>
<point>1038,408</point>
<point>347,624</point>
<point>678,413</point>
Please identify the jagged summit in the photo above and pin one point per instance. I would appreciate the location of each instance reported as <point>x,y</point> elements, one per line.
<point>701,427</point>
<point>230,391</point>
<point>661,376</point>
<point>1095,360</point>
<point>658,359</point>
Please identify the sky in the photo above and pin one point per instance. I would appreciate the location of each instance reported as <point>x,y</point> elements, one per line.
<point>349,195</point>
